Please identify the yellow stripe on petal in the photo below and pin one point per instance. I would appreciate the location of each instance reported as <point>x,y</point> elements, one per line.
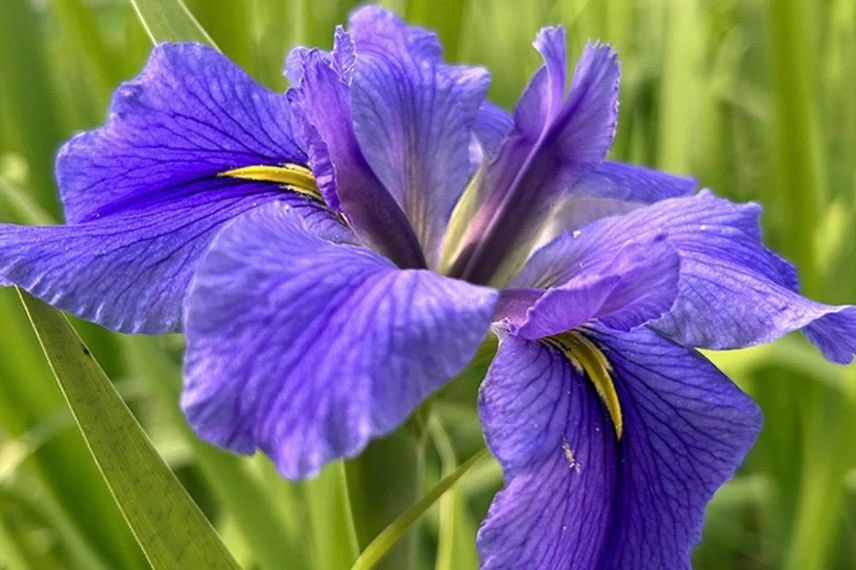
<point>589,360</point>
<point>296,177</point>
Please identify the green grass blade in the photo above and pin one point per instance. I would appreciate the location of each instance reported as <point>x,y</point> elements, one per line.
<point>170,21</point>
<point>391,468</point>
<point>226,21</point>
<point>329,509</point>
<point>796,133</point>
<point>241,492</point>
<point>825,468</point>
<point>31,121</point>
<point>62,466</point>
<point>446,17</point>
<point>680,89</point>
<point>11,555</point>
<point>378,548</point>
<point>79,552</point>
<point>81,24</point>
<point>455,547</point>
<point>168,525</point>
<point>22,206</point>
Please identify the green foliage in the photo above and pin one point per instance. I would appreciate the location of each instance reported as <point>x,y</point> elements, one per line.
<point>170,21</point>
<point>754,97</point>
<point>378,548</point>
<point>168,525</point>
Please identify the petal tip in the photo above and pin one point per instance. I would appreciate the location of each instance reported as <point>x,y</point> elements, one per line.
<point>835,335</point>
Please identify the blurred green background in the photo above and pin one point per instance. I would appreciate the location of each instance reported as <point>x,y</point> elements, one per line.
<point>757,98</point>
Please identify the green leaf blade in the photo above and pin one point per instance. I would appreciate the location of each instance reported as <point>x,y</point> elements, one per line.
<point>386,540</point>
<point>170,528</point>
<point>267,513</point>
<point>170,21</point>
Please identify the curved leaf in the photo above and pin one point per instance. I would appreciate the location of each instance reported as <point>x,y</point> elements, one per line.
<point>170,528</point>
<point>383,542</point>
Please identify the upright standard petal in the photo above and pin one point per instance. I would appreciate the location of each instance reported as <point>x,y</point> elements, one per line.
<point>414,118</point>
<point>553,142</point>
<point>190,143</point>
<point>578,497</point>
<point>346,180</point>
<point>306,346</point>
<point>733,291</point>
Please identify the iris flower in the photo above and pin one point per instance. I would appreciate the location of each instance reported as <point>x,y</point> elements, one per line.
<point>337,253</point>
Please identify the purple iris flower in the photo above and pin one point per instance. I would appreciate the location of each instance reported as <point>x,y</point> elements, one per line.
<point>337,253</point>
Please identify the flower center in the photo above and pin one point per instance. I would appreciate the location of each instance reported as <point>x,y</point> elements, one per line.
<point>294,176</point>
<point>589,360</point>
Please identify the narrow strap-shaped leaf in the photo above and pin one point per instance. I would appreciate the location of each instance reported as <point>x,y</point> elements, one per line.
<point>170,528</point>
<point>244,495</point>
<point>11,555</point>
<point>330,518</point>
<point>170,21</point>
<point>455,546</point>
<point>24,208</point>
<point>382,543</point>
<point>30,116</point>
